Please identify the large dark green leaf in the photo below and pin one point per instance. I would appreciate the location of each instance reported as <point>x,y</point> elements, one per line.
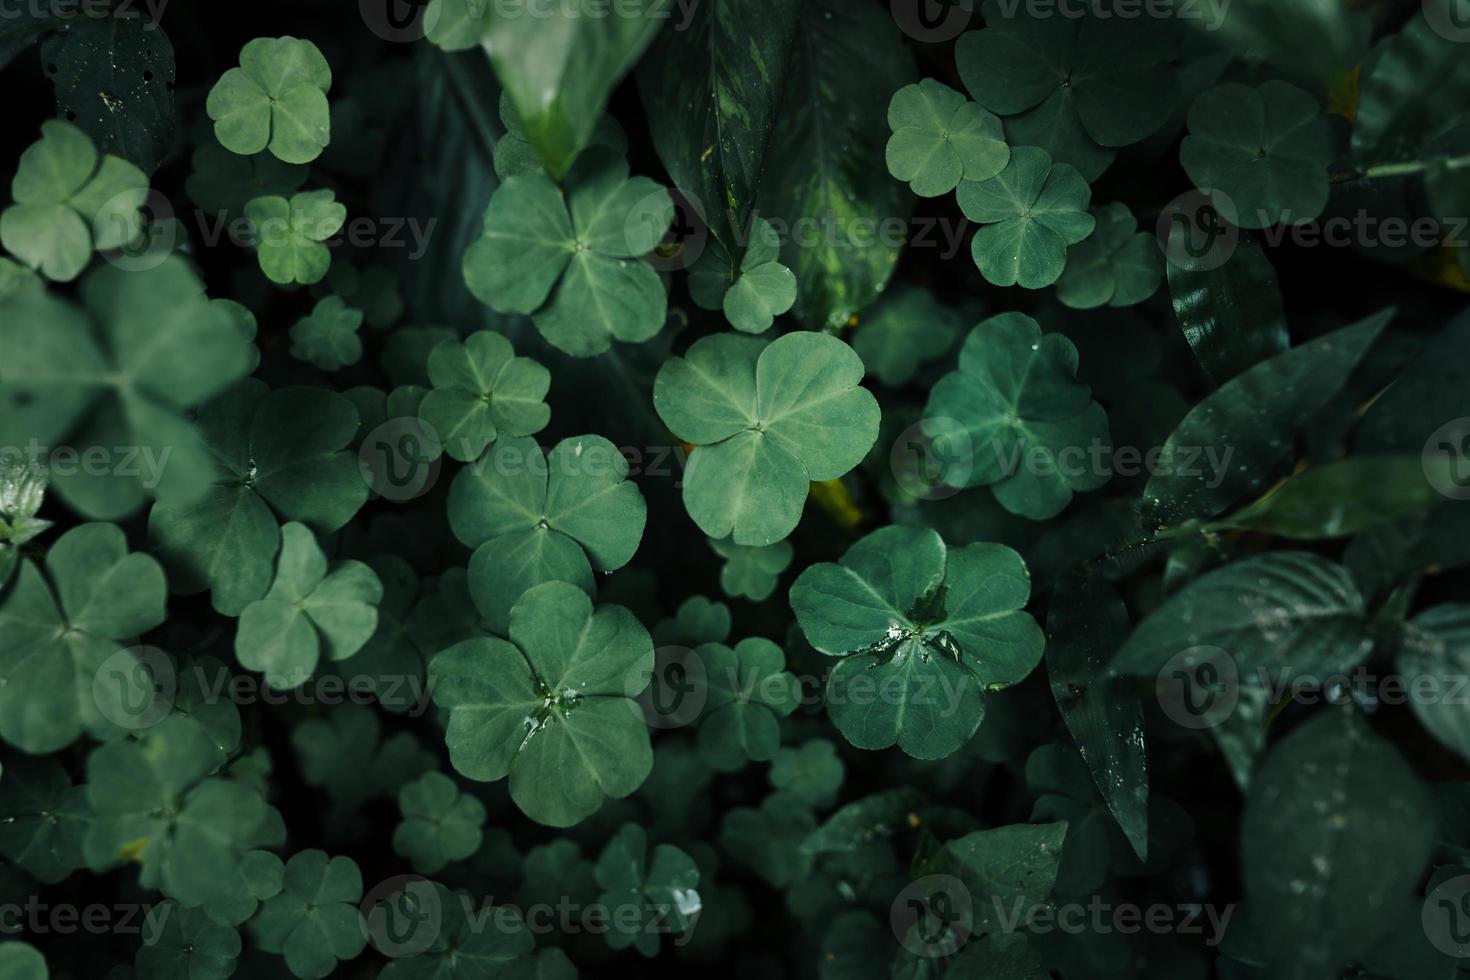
<point>829,184</point>
<point>1340,498</point>
<point>1231,314</point>
<point>114,78</point>
<point>1337,827</point>
<point>1229,443</point>
<point>712,90</point>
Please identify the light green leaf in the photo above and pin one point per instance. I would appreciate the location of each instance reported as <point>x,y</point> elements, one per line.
<point>314,922</point>
<point>483,391</point>
<point>1031,211</point>
<point>939,138</point>
<point>276,100</point>
<point>288,235</point>
<point>327,337</point>
<point>440,824</point>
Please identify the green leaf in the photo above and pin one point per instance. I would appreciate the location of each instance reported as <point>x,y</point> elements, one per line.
<point>114,76</point>
<point>1267,148</point>
<point>1031,211</point>
<point>829,182</point>
<point>767,419</point>
<point>940,138</point>
<point>70,199</point>
<point>1231,314</point>
<point>550,708</point>
<point>314,922</point>
<point>483,391</point>
<point>1339,499</point>
<point>1007,869</point>
<point>1075,86</point>
<point>747,690</point>
<point>768,840</point>
<point>661,884</point>
<point>558,70</point>
<point>276,100</point>
<point>998,956</point>
<point>43,819</point>
<point>1228,444</point>
<point>288,235</point>
<point>1277,616</point>
<point>327,337</point>
<point>21,961</point>
<point>534,518</point>
<point>155,803</point>
<point>1336,826</point>
<point>223,181</point>
<point>462,946</point>
<point>187,945</point>
<point>311,611</point>
<point>1436,647</point>
<point>1397,108</point>
<point>712,89</point>
<point>922,631</point>
<point>751,573</point>
<point>1020,419</point>
<point>1116,265</point>
<point>277,454</point>
<point>63,663</point>
<point>1086,623</point>
<point>572,259</point>
<point>812,772</point>
<point>765,288</point>
<point>902,331</point>
<point>439,825</point>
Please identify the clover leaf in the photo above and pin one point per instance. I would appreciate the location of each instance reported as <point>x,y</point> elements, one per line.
<point>550,707</point>
<point>1116,265</point>
<point>663,887</point>
<point>811,772</point>
<point>482,391</point>
<point>43,819</point>
<point>187,945</point>
<point>764,288</point>
<point>314,922</point>
<point>1022,422</point>
<point>155,803</point>
<point>373,289</point>
<point>311,611</point>
<point>904,329</point>
<point>751,573</point>
<point>767,418</point>
<point>223,181</point>
<point>747,690</point>
<point>69,199</point>
<point>345,754</point>
<point>116,376</point>
<point>62,623</point>
<point>440,824</point>
<point>288,234</point>
<point>22,961</point>
<point>275,453</point>
<point>1078,87</point>
<point>923,631</point>
<point>1267,148</point>
<point>940,137</point>
<point>327,337</point>
<point>696,621</point>
<point>276,100</point>
<point>461,946</point>
<point>571,259</point>
<point>1031,211</point>
<point>534,518</point>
